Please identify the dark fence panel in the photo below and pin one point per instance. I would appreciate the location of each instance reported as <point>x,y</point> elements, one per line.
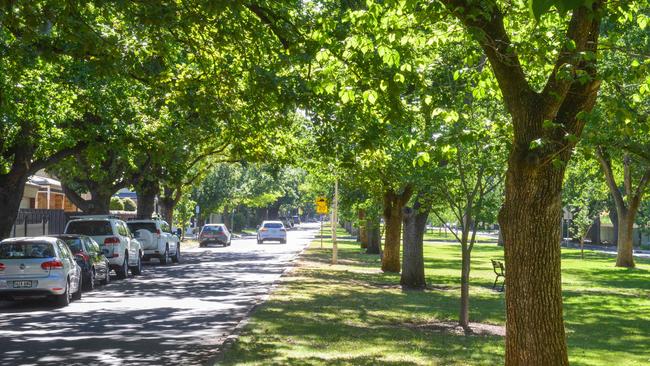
<point>30,222</point>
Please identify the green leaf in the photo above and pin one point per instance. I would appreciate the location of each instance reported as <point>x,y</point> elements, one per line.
<point>383,85</point>
<point>370,96</point>
<point>539,7</point>
<point>398,78</point>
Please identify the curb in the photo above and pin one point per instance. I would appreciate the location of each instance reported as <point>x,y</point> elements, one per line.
<point>232,338</point>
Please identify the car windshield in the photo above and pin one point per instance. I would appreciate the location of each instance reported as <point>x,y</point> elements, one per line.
<point>273,225</point>
<point>74,244</point>
<point>26,250</point>
<point>135,226</point>
<point>90,228</point>
<point>215,229</point>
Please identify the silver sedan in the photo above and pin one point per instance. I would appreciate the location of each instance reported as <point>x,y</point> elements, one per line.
<point>38,267</point>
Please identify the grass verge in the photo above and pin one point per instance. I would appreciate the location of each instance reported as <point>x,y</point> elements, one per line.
<point>353,314</point>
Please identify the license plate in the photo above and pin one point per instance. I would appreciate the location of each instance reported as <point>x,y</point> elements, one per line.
<point>22,284</point>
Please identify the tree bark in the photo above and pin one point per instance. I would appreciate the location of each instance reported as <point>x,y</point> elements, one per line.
<point>12,187</point>
<point>147,191</point>
<point>373,229</point>
<point>393,205</point>
<point>529,222</point>
<point>463,316</point>
<point>625,239</point>
<point>363,234</point>
<point>415,223</point>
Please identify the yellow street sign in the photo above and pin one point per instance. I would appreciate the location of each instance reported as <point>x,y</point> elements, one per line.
<point>321,206</point>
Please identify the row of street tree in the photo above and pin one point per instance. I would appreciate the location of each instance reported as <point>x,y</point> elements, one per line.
<point>462,109</point>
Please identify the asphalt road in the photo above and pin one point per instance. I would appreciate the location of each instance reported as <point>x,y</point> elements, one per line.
<point>177,314</point>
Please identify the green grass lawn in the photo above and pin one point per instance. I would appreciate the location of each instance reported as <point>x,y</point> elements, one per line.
<point>352,314</point>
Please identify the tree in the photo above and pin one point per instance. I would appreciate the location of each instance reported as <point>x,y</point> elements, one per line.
<point>184,211</point>
<point>548,111</point>
<point>584,193</point>
<point>620,129</point>
<point>627,200</point>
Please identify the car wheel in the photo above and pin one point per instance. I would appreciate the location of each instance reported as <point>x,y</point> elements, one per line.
<point>122,272</point>
<point>64,299</point>
<point>164,259</point>
<point>137,270</point>
<point>283,241</point>
<point>177,258</point>
<point>89,280</point>
<point>107,276</point>
<point>77,295</point>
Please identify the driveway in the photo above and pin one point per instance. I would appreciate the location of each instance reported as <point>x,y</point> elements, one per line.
<point>171,315</point>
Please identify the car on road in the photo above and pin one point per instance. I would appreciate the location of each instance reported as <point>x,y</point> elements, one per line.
<point>123,251</point>
<point>215,233</point>
<point>39,267</point>
<point>272,230</point>
<point>95,267</point>
<point>296,220</point>
<point>156,239</point>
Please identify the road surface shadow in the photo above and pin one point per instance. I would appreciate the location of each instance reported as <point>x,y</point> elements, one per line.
<point>172,315</point>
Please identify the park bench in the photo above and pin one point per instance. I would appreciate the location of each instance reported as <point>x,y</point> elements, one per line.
<point>500,271</point>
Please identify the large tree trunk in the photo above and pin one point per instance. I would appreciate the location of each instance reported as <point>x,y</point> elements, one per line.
<point>12,187</point>
<point>415,223</point>
<point>529,222</point>
<point>363,233</point>
<point>147,191</point>
<point>99,204</point>
<point>373,229</point>
<point>625,239</point>
<point>167,205</point>
<point>393,205</point>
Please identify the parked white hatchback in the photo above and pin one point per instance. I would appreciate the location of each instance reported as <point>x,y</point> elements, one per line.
<point>123,251</point>
<point>272,230</point>
<point>38,267</point>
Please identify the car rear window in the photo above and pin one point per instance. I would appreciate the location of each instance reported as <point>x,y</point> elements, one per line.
<point>90,228</point>
<point>135,226</point>
<point>75,245</point>
<point>215,229</point>
<point>26,250</point>
<point>273,225</point>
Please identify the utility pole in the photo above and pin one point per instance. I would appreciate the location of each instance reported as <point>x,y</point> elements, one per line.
<point>335,213</point>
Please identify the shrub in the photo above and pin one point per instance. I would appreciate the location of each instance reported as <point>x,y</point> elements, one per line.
<point>129,205</point>
<point>116,204</point>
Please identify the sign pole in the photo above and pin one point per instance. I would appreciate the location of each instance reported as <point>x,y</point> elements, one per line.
<point>335,219</point>
<point>321,231</point>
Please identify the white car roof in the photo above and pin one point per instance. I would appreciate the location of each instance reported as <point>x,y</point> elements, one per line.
<point>48,239</point>
<point>271,222</point>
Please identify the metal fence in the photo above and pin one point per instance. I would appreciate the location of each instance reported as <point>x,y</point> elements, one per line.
<point>34,222</point>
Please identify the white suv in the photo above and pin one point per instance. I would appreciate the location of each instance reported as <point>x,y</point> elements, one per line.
<point>122,250</point>
<point>156,239</point>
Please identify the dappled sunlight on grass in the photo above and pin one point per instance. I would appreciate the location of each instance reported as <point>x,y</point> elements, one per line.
<point>353,314</point>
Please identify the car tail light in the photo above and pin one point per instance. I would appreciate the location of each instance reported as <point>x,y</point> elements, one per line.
<point>52,264</point>
<point>83,256</point>
<point>112,240</point>
<point>2,266</point>
<point>158,232</point>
